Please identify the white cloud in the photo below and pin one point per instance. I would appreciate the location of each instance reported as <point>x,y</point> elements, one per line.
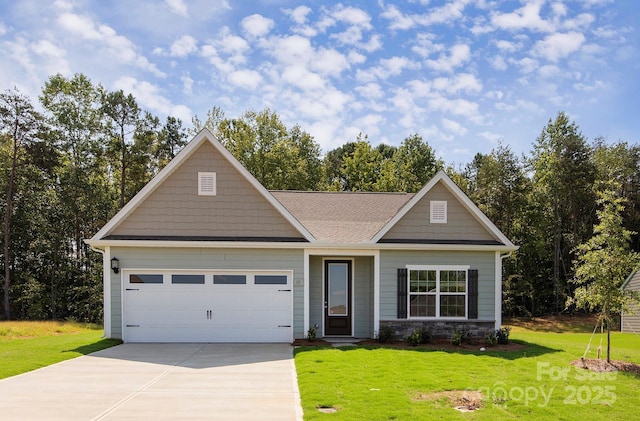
<point>458,55</point>
<point>178,7</point>
<point>445,14</point>
<point>397,18</point>
<point>245,78</point>
<point>299,14</point>
<point>352,16</point>
<point>187,84</point>
<point>498,63</point>
<point>117,46</point>
<point>508,46</point>
<point>424,45</point>
<point>184,46</point>
<point>559,45</point>
<point>150,97</point>
<point>463,82</point>
<point>329,62</point>
<point>527,17</point>
<point>527,65</point>
<point>370,91</point>
<point>257,25</point>
<point>492,137</point>
<point>454,127</point>
<point>386,69</point>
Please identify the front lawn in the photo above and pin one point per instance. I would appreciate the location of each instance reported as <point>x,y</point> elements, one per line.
<point>537,382</point>
<point>26,345</point>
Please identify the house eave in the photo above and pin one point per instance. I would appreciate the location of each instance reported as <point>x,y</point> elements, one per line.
<point>100,244</point>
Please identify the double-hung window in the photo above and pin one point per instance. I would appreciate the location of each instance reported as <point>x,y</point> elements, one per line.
<point>437,291</point>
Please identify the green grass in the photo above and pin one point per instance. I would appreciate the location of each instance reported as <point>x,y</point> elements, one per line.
<point>536,382</point>
<point>26,346</point>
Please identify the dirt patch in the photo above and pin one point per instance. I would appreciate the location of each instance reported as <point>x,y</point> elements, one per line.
<point>601,366</point>
<point>445,345</point>
<point>557,323</point>
<point>462,400</point>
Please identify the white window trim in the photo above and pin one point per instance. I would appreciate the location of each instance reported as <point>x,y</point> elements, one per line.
<point>201,188</point>
<point>437,204</point>
<point>438,269</point>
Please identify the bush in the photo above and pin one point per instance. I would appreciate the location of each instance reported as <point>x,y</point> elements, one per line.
<point>385,334</point>
<point>459,337</point>
<point>311,334</point>
<point>491,338</point>
<point>503,335</point>
<point>419,337</point>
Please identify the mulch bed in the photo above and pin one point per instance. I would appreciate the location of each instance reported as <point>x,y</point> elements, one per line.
<point>601,366</point>
<point>436,345</point>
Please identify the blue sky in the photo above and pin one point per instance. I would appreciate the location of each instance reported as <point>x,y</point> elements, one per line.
<point>463,74</point>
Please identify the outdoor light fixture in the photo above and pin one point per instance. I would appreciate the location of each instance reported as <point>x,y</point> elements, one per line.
<point>115,265</point>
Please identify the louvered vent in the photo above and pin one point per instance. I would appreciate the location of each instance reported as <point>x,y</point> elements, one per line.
<point>438,212</point>
<point>206,183</point>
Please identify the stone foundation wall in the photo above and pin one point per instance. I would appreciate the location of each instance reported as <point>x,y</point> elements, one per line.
<point>440,329</point>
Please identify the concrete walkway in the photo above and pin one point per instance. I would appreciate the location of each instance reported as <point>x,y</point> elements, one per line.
<point>160,382</point>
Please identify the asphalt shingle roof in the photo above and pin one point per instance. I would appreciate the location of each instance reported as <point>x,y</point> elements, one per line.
<point>342,217</point>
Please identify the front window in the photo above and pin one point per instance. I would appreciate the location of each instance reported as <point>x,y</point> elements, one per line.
<point>437,291</point>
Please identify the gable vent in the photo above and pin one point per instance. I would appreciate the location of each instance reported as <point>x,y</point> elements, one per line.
<point>438,212</point>
<point>206,184</point>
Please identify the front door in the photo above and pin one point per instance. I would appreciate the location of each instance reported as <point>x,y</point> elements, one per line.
<point>337,297</point>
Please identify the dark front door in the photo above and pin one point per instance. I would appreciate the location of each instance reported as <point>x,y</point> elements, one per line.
<point>337,297</point>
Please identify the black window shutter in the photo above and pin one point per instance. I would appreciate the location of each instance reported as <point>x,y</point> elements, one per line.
<point>472,295</point>
<point>402,293</point>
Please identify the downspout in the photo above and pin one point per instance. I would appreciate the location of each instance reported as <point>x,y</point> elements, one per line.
<point>106,290</point>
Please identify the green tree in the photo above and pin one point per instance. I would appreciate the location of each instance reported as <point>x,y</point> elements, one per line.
<point>604,261</point>
<point>362,170</point>
<point>280,158</point>
<point>20,127</point>
<point>563,179</point>
<point>215,116</point>
<point>621,162</point>
<point>122,113</point>
<point>415,163</point>
<point>171,140</point>
<point>82,199</point>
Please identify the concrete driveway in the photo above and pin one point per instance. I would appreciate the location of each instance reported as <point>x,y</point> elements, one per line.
<point>160,381</point>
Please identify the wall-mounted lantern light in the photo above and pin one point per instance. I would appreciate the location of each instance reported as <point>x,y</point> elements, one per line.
<point>115,265</point>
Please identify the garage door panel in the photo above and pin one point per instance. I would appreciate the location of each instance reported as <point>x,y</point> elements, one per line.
<point>231,309</point>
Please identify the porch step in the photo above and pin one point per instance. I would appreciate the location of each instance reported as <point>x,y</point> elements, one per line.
<point>338,341</point>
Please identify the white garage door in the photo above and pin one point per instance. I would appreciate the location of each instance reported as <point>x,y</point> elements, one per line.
<point>180,306</point>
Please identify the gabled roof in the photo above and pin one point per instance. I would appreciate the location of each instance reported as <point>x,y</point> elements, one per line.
<point>464,200</point>
<point>203,136</point>
<point>342,217</point>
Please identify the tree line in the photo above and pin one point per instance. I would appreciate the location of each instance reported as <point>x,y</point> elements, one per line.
<point>67,169</point>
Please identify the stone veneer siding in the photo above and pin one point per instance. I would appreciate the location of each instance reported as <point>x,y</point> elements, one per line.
<point>440,329</point>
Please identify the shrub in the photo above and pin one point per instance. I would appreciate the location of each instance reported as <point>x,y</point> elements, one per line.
<point>491,338</point>
<point>311,334</point>
<point>419,337</point>
<point>503,335</point>
<point>385,334</point>
<point>459,337</point>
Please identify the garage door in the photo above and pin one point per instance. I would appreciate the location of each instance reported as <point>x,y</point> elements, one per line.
<point>181,306</point>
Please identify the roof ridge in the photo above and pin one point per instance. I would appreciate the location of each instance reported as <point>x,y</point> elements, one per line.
<point>343,192</point>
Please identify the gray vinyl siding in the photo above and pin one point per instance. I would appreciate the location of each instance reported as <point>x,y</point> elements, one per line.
<point>316,301</point>
<point>207,258</point>
<point>631,322</point>
<point>416,225</point>
<point>391,260</point>
<point>174,208</point>
<point>363,297</point>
